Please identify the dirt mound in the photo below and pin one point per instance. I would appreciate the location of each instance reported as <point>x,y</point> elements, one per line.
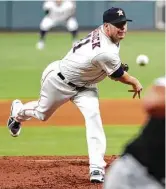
<point>53,172</point>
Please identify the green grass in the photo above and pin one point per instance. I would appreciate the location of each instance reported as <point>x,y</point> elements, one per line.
<point>21,68</point>
<point>22,65</point>
<point>60,140</point>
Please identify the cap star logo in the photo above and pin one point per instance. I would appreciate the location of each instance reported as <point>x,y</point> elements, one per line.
<point>120,12</point>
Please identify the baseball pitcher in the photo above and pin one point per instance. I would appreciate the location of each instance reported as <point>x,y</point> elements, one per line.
<point>75,77</point>
<point>58,12</point>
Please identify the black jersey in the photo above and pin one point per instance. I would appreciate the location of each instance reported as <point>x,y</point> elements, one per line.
<point>149,148</point>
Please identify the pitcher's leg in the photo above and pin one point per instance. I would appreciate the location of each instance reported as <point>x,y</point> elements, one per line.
<point>29,107</point>
<point>54,92</point>
<point>34,109</point>
<point>88,104</point>
<point>44,107</point>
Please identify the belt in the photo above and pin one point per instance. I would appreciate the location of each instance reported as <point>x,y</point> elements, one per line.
<point>70,83</point>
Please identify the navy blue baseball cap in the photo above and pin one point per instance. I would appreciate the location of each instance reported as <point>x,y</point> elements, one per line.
<point>114,16</point>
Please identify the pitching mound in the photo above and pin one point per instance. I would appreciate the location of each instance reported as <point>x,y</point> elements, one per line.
<point>53,172</point>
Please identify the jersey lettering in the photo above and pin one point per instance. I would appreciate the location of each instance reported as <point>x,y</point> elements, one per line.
<point>95,39</point>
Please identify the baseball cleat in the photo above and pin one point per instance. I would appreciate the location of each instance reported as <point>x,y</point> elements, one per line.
<point>96,177</point>
<point>13,125</point>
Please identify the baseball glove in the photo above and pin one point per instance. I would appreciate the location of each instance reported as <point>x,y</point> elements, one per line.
<point>125,67</point>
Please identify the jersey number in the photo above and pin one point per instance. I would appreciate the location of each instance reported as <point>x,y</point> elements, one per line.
<point>81,43</point>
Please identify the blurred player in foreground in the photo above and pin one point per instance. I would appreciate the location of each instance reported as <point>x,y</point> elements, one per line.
<point>142,165</point>
<point>56,13</point>
<point>75,78</point>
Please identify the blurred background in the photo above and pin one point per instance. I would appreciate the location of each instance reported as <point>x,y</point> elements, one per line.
<point>21,66</point>
<point>26,15</point>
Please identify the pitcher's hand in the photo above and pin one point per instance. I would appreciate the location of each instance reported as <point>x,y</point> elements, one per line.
<point>136,90</point>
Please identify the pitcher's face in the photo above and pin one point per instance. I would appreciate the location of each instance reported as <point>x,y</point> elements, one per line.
<point>117,31</point>
<point>121,29</point>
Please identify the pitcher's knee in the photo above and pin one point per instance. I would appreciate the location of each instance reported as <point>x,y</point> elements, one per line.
<point>42,116</point>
